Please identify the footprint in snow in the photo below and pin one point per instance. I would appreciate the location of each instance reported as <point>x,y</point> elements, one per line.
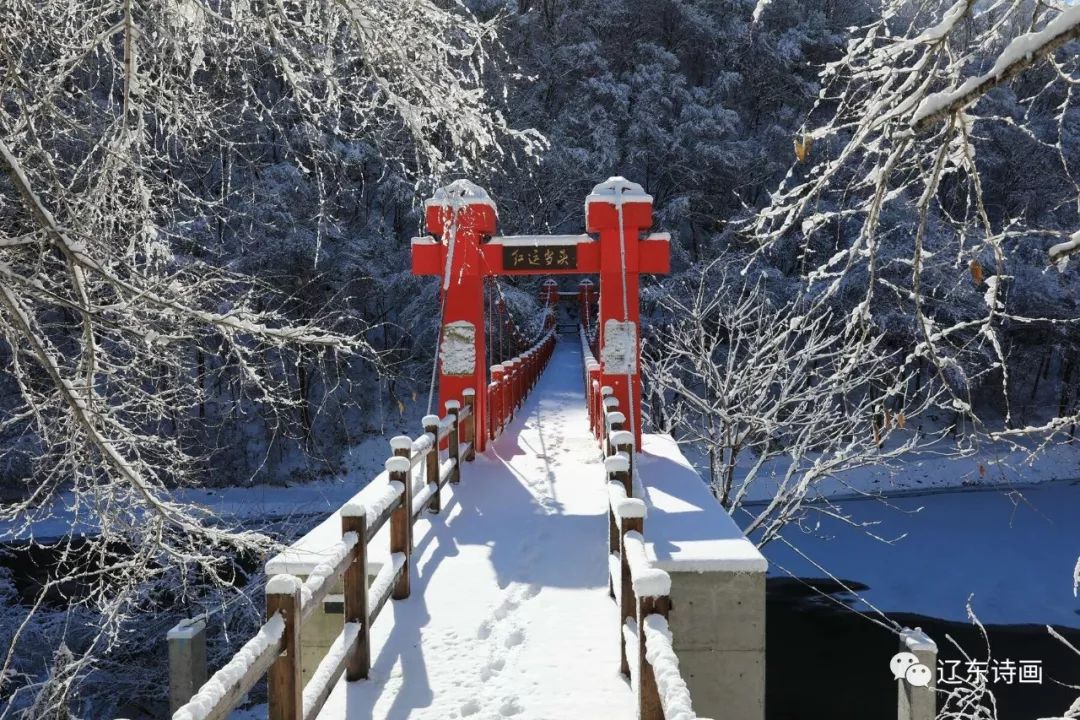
<point>510,707</point>
<point>515,638</point>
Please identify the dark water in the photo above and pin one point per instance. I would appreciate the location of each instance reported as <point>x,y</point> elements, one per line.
<point>824,661</point>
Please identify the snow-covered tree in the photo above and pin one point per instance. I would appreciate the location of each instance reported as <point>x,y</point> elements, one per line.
<point>779,399</point>
<point>141,143</point>
<point>901,182</point>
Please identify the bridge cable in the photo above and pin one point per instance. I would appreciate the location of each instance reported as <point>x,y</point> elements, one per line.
<point>626,313</point>
<point>442,303</point>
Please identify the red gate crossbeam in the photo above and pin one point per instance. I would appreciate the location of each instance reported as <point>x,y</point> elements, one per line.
<point>649,255</point>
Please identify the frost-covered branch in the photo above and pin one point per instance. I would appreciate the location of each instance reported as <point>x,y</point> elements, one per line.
<point>904,196</point>
<point>146,147</point>
<point>776,393</point>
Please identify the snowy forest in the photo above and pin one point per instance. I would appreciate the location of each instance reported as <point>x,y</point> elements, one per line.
<point>206,299</point>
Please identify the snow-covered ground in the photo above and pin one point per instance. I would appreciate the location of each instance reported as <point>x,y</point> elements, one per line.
<point>939,467</point>
<point>1013,550</point>
<point>509,614</point>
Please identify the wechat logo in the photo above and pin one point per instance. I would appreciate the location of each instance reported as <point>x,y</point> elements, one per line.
<point>906,666</point>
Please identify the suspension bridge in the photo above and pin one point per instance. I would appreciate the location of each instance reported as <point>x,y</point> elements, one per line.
<point>531,552</point>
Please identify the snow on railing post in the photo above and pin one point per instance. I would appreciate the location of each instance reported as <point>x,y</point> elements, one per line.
<point>284,680</point>
<point>611,405</point>
<point>606,392</point>
<point>354,580</point>
<point>615,470</point>
<point>627,605</point>
<point>469,397</point>
<point>187,661</point>
<point>431,464</point>
<point>623,440</point>
<point>649,705</point>
<point>453,408</point>
<point>616,421</point>
<point>399,468</point>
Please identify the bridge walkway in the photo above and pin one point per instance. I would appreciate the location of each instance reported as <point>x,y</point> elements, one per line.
<point>509,614</point>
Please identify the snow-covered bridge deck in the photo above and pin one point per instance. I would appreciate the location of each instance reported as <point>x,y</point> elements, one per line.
<point>509,614</point>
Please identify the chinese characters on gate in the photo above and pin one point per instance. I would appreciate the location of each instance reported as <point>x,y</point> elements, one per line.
<point>551,257</point>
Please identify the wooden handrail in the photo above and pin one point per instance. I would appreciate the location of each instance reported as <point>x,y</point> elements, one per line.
<point>642,592</point>
<point>274,651</point>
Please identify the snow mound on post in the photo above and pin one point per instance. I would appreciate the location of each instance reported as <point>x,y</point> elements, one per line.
<point>622,437</point>
<point>615,190</point>
<point>398,465</point>
<point>917,640</point>
<point>626,507</point>
<point>401,442</point>
<point>459,193</point>
<point>616,463</point>
<point>353,509</point>
<point>647,580</point>
<point>283,585</point>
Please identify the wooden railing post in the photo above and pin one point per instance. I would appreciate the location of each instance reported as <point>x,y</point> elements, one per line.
<point>620,472</point>
<point>284,680</point>
<point>616,422</point>
<point>649,706</point>
<point>606,391</point>
<point>611,404</point>
<point>469,396</point>
<point>453,409</point>
<point>615,470</point>
<point>354,520</point>
<point>401,519</point>
<point>627,604</point>
<point>187,661</point>
<point>623,440</point>
<point>431,465</point>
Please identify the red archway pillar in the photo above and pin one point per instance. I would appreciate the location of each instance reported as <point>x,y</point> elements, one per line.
<point>461,215</point>
<point>620,212</point>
